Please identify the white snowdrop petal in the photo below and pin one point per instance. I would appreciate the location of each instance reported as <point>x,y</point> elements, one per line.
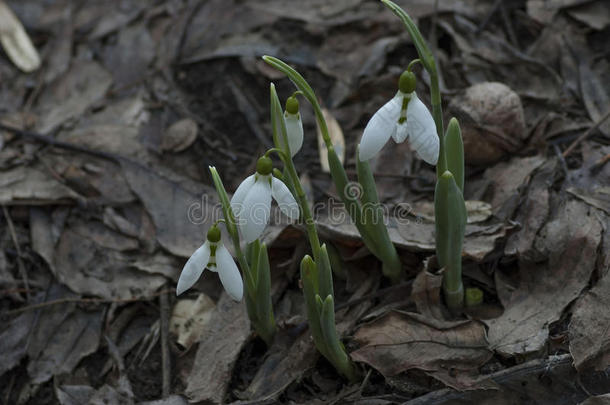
<point>380,128</point>
<point>229,274</point>
<point>285,199</point>
<point>401,133</point>
<point>256,210</point>
<point>294,130</point>
<point>193,268</point>
<point>240,194</point>
<point>422,131</point>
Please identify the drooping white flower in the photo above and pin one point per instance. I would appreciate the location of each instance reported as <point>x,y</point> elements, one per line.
<point>214,256</point>
<point>403,117</point>
<point>294,125</point>
<point>251,202</point>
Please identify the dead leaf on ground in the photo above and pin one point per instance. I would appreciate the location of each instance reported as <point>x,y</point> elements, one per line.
<point>33,185</point>
<point>591,184</point>
<point>492,122</point>
<point>179,136</point>
<point>336,138</point>
<point>284,365</point>
<point>589,327</point>
<point>83,85</point>
<point>416,236</point>
<point>14,333</point>
<point>596,100</point>
<point>190,318</point>
<point>507,177</point>
<point>533,211</point>
<point>548,381</point>
<point>129,67</point>
<point>544,10</point>
<point>595,14</point>
<point>218,350</point>
<point>399,341</point>
<point>62,337</point>
<point>93,263</point>
<point>180,217</point>
<point>16,42</point>
<point>478,211</point>
<point>570,239</point>
<point>597,400</point>
<point>426,294</point>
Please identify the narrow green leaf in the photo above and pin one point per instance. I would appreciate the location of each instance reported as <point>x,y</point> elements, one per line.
<point>309,281</point>
<point>336,351</point>
<point>335,261</point>
<point>372,214</point>
<point>325,280</point>
<point>264,304</point>
<point>454,147</point>
<point>450,221</point>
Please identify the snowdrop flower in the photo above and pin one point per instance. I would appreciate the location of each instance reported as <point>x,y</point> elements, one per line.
<point>251,202</point>
<point>214,256</point>
<point>294,125</point>
<point>403,117</point>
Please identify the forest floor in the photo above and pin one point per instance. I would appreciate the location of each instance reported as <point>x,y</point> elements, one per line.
<point>105,192</point>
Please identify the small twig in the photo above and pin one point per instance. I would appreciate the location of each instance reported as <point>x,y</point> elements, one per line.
<point>586,134</point>
<point>512,37</point>
<point>599,164</point>
<point>84,301</point>
<point>562,160</point>
<point>165,354</point>
<point>7,397</point>
<point>376,294</point>
<point>490,14</point>
<point>365,381</point>
<point>22,271</point>
<point>48,140</point>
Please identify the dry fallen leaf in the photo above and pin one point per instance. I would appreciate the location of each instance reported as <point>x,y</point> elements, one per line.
<point>590,326</point>
<point>426,294</point>
<point>478,211</point>
<point>33,185</point>
<point>179,136</point>
<point>570,240</point>
<point>400,341</point>
<point>507,177</point>
<point>91,259</point>
<point>533,211</point>
<point>492,122</point>
<point>190,318</point>
<point>218,350</point>
<point>83,85</point>
<point>16,42</point>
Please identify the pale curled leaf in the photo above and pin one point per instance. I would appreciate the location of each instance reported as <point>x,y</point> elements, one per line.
<point>16,42</point>
<point>336,137</point>
<point>190,318</point>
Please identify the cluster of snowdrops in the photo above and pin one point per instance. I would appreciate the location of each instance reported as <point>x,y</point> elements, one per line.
<point>403,118</point>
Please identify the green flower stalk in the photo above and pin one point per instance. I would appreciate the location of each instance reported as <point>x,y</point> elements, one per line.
<point>316,273</point>
<point>256,271</point>
<point>429,63</point>
<point>374,232</point>
<point>449,208</point>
